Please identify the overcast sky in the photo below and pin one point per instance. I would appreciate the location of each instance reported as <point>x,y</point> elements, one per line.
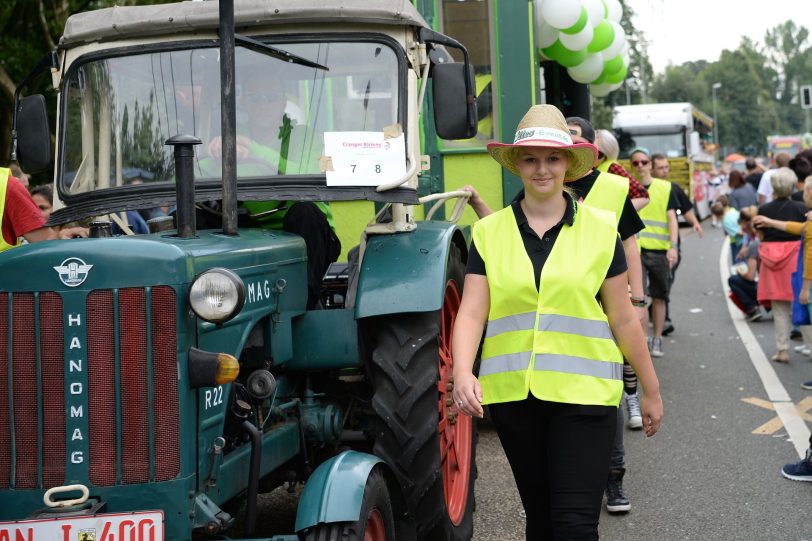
<point>683,30</point>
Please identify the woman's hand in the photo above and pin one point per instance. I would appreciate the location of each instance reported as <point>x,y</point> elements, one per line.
<point>760,222</point>
<point>651,407</point>
<point>467,394</point>
<point>803,297</point>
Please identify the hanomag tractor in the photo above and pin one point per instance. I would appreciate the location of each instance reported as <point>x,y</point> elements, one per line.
<point>152,385</point>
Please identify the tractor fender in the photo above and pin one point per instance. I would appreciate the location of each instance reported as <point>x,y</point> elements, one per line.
<point>335,491</point>
<point>405,272</point>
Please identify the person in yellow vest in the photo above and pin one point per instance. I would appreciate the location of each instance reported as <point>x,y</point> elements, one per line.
<point>548,277</point>
<point>613,192</point>
<point>608,150</point>
<point>659,241</point>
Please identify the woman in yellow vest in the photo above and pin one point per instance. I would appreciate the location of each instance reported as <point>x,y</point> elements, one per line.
<point>548,276</point>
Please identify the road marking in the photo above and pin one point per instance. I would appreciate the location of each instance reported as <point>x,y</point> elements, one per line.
<point>775,424</point>
<point>776,392</point>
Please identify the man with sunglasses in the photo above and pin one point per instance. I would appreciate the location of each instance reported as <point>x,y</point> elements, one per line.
<point>658,241</point>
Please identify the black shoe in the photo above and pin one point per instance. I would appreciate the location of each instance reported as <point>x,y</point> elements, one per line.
<point>616,500</point>
<point>796,335</point>
<point>668,328</point>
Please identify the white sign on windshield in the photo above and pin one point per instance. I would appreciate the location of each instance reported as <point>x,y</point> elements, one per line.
<point>360,158</point>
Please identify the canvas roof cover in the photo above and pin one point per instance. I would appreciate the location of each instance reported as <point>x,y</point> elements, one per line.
<point>141,21</point>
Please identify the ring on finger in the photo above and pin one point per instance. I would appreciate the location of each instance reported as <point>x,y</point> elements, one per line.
<point>459,402</point>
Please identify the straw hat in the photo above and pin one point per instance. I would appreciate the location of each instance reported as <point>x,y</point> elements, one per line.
<point>544,126</point>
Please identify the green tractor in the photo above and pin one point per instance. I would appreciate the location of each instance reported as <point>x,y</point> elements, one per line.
<point>152,385</point>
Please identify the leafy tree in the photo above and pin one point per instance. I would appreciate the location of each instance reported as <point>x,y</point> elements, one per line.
<point>29,29</point>
<point>788,51</point>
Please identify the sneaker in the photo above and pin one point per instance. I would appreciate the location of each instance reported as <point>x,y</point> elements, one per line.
<point>803,350</point>
<point>635,420</point>
<point>798,471</point>
<point>616,500</point>
<point>657,347</point>
<point>668,329</point>
<point>807,385</point>
<point>757,314</point>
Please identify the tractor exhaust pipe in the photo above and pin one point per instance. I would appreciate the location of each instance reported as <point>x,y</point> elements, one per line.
<point>185,184</point>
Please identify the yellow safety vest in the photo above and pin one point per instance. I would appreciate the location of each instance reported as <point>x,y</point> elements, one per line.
<point>609,193</point>
<point>4,174</point>
<point>555,341</point>
<point>655,217</point>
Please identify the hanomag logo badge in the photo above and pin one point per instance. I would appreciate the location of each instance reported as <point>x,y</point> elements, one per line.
<point>73,271</point>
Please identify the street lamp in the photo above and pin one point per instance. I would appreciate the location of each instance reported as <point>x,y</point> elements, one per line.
<point>715,128</point>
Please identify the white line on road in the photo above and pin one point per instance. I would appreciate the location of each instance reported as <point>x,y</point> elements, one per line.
<point>776,392</point>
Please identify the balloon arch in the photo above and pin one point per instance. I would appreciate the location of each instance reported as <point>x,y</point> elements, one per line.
<point>585,37</point>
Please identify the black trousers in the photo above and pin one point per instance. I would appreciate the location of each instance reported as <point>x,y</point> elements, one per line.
<point>559,454</point>
<point>323,247</point>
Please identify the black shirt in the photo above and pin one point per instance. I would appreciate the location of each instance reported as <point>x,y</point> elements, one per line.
<point>539,248</point>
<point>753,179</point>
<point>629,223</point>
<point>785,210</point>
<point>797,196</point>
<point>683,201</point>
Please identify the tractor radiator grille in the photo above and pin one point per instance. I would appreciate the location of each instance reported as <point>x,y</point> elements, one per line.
<point>38,456</point>
<point>132,388</point>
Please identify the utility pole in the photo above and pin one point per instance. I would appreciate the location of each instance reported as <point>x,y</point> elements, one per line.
<point>715,126</point>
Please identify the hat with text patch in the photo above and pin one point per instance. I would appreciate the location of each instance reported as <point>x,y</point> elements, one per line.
<point>543,126</point>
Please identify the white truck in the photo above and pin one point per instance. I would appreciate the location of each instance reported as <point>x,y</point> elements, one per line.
<point>680,132</point>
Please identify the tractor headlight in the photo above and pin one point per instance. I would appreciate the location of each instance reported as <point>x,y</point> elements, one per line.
<point>217,295</point>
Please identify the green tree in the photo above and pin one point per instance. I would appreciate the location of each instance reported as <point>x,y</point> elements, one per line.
<point>681,83</point>
<point>29,29</point>
<point>789,52</point>
<point>745,111</point>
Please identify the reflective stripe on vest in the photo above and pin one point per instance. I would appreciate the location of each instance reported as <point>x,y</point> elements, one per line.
<point>609,193</point>
<point>4,174</point>
<point>555,341</point>
<point>655,217</point>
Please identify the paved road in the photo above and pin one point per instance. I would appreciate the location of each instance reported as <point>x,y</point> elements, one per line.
<point>705,476</point>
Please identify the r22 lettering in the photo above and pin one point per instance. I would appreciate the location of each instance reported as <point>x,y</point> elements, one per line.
<point>213,397</point>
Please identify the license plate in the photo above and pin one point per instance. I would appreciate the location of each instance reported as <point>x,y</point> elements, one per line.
<point>137,526</point>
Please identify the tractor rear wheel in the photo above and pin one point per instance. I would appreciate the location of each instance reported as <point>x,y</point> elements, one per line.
<point>430,446</point>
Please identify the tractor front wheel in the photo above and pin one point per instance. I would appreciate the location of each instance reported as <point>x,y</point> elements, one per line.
<point>430,446</point>
<point>376,521</point>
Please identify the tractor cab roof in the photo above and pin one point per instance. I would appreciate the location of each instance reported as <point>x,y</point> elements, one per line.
<point>128,22</point>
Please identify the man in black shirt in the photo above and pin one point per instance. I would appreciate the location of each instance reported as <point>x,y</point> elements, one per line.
<point>661,169</point>
<point>753,176</point>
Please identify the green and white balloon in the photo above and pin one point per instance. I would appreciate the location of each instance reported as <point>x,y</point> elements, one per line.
<point>588,70</point>
<point>560,13</point>
<point>614,11</point>
<point>584,36</point>
<point>579,41</point>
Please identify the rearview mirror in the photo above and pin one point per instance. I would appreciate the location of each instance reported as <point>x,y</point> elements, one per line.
<point>455,114</point>
<point>33,145</point>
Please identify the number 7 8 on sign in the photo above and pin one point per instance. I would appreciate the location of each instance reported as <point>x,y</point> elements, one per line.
<point>364,158</point>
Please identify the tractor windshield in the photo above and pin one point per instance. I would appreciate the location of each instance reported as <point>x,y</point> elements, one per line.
<point>120,110</point>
